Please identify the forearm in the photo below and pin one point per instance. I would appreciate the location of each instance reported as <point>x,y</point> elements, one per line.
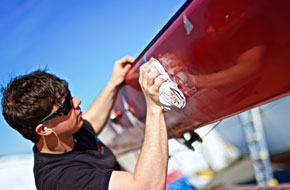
<point>98,112</point>
<point>151,168</point>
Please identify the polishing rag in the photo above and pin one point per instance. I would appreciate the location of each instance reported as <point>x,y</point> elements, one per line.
<point>169,94</point>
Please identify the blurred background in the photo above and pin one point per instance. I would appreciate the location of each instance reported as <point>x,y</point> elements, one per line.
<point>79,42</point>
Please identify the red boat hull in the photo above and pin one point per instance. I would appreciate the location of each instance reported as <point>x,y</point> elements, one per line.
<point>226,57</point>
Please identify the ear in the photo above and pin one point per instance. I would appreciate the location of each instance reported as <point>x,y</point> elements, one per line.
<point>40,130</point>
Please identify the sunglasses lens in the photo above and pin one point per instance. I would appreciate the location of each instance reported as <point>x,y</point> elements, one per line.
<point>67,106</point>
<point>64,109</point>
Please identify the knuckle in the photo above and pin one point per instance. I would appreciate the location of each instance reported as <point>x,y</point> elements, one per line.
<point>151,91</point>
<point>147,69</point>
<point>156,87</point>
<point>151,77</point>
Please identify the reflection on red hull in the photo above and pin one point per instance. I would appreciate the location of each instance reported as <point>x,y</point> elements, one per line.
<point>226,56</point>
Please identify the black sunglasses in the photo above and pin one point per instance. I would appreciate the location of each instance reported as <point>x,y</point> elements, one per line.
<point>63,109</point>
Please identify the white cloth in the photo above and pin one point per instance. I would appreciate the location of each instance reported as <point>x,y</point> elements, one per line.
<point>169,94</point>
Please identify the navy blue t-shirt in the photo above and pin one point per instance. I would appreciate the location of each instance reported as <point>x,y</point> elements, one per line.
<point>88,166</point>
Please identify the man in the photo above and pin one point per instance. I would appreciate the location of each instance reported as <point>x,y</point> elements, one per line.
<point>68,155</point>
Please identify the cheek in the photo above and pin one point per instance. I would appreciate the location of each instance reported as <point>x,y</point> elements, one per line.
<point>71,114</point>
<point>71,117</point>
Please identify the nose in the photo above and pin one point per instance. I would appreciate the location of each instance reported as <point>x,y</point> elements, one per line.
<point>76,102</point>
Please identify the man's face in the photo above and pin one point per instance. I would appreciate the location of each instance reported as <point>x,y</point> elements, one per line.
<point>71,122</point>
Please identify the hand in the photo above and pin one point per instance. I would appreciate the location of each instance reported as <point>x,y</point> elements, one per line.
<point>120,70</point>
<point>150,87</point>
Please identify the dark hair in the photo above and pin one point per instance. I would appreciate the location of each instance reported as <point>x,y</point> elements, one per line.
<point>29,98</point>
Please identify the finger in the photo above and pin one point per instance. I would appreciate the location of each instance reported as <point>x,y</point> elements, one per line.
<point>127,68</point>
<point>144,76</point>
<point>125,60</point>
<point>152,77</point>
<point>144,65</point>
<point>159,82</point>
<point>143,71</point>
<point>146,68</point>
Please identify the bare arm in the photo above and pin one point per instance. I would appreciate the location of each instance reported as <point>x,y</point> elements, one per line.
<point>98,112</point>
<point>151,169</point>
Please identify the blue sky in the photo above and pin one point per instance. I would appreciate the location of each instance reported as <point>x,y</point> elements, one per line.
<point>76,40</point>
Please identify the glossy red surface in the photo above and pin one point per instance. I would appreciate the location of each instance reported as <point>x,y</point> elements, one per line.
<point>236,57</point>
